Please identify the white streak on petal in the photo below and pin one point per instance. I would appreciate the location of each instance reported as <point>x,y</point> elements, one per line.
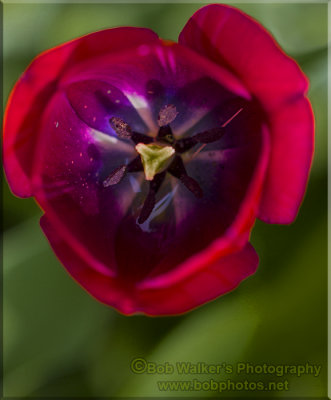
<point>109,142</point>
<point>158,209</point>
<point>181,204</point>
<point>142,108</point>
<point>135,184</point>
<point>172,61</point>
<point>161,56</point>
<point>126,196</point>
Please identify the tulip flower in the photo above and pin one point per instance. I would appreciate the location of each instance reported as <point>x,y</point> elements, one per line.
<point>152,159</point>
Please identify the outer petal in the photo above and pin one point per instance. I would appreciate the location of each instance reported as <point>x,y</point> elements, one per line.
<point>292,132</point>
<point>231,38</point>
<point>37,85</point>
<point>219,278</point>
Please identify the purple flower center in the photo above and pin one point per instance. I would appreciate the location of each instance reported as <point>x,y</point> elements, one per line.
<point>165,139</point>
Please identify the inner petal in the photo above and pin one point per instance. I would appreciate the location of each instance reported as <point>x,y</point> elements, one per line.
<point>96,102</point>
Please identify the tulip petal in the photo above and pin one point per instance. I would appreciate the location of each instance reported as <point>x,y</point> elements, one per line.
<point>95,102</point>
<point>218,278</point>
<point>292,141</point>
<point>231,38</point>
<point>37,85</point>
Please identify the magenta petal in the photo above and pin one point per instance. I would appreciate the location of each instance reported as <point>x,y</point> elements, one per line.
<point>36,87</point>
<point>292,142</point>
<point>218,278</point>
<point>233,39</point>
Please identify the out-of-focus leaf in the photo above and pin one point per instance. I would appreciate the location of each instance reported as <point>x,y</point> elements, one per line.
<point>219,332</point>
<point>109,364</point>
<point>298,27</point>
<point>292,305</point>
<point>18,21</point>
<point>16,209</point>
<point>49,320</point>
<point>315,66</point>
<point>22,243</point>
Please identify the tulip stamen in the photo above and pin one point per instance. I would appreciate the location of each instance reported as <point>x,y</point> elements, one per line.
<point>149,202</point>
<point>141,138</point>
<point>115,177</point>
<point>165,135</point>
<point>124,131</point>
<point>177,169</point>
<point>118,174</point>
<point>167,114</point>
<point>205,137</point>
<point>209,136</point>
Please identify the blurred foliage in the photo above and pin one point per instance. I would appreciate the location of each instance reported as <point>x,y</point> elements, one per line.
<point>58,341</point>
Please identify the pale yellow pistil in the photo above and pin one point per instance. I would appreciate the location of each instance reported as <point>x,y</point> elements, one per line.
<point>155,158</point>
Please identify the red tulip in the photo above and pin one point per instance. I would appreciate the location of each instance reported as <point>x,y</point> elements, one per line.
<point>151,160</point>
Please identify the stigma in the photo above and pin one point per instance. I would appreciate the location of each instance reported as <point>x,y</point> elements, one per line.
<point>155,158</point>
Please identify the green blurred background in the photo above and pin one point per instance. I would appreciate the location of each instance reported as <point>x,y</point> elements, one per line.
<point>58,341</point>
